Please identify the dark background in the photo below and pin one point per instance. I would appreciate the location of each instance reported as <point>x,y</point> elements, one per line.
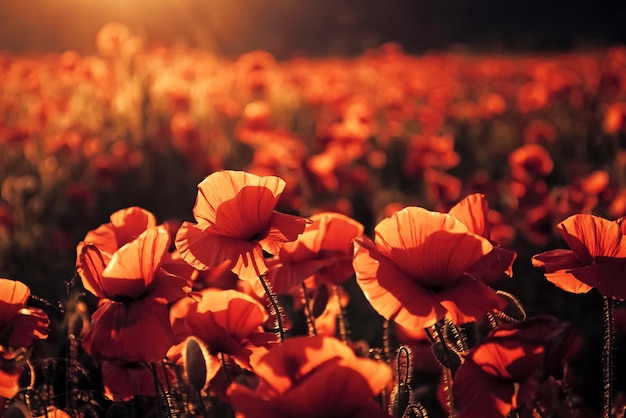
<point>318,27</point>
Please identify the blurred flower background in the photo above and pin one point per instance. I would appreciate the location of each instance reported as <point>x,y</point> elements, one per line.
<point>362,108</point>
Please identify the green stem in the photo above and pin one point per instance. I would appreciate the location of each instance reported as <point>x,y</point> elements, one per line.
<point>607,357</point>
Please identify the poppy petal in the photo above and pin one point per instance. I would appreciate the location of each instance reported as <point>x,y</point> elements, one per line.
<point>132,267</point>
<point>443,245</point>
<point>590,236</point>
<point>238,204</point>
<point>285,364</point>
<point>122,382</point>
<point>284,277</point>
<point>472,211</point>
<point>469,300</point>
<point>131,222</point>
<point>30,323</point>
<point>337,388</point>
<point>390,292</point>
<point>133,332</point>
<point>477,394</point>
<point>337,232</point>
<point>249,404</point>
<point>606,278</point>
<point>168,288</point>
<point>557,264</point>
<point>204,250</point>
<point>14,297</point>
<point>282,228</point>
<point>91,263</point>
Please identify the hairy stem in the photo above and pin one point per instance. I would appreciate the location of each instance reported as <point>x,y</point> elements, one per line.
<point>310,321</point>
<point>607,357</point>
<point>275,308</point>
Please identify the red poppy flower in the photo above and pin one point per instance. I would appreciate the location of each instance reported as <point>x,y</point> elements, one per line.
<point>473,212</point>
<point>506,368</point>
<point>311,377</point>
<point>597,258</point>
<point>323,253</point>
<point>226,321</point>
<point>132,322</point>
<point>19,326</point>
<point>125,225</point>
<point>237,221</point>
<point>415,271</point>
<point>124,381</point>
<point>530,162</point>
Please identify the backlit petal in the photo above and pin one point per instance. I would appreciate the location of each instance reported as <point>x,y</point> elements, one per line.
<point>472,211</point>
<point>133,332</point>
<point>132,267</point>
<point>286,364</point>
<point>13,297</point>
<point>90,265</point>
<point>390,292</point>
<point>30,323</point>
<point>469,300</point>
<point>204,250</point>
<point>238,204</point>
<point>432,248</point>
<point>558,265</point>
<point>591,236</point>
<point>282,228</point>
<point>131,222</point>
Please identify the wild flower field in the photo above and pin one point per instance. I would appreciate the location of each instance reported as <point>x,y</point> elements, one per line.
<point>384,235</point>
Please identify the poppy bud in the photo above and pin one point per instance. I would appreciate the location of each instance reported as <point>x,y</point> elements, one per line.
<point>194,361</point>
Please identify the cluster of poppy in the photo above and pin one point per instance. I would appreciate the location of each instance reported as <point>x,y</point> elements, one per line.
<point>350,135</point>
<point>185,313</point>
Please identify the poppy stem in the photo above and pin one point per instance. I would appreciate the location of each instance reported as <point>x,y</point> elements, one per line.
<point>275,308</point>
<point>310,322</point>
<point>224,367</point>
<point>344,333</point>
<point>607,357</point>
<point>537,408</point>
